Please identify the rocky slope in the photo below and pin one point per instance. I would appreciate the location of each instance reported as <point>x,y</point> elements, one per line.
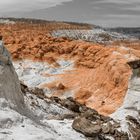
<point>49,113</point>
<point>100,66</point>
<point>96,75</point>
<point>98,35</point>
<point>26,116</point>
<point>128,113</point>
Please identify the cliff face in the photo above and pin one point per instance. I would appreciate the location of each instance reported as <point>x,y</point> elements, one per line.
<point>9,83</point>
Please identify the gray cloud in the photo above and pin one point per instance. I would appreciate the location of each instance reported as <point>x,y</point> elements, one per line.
<point>101,12</point>
<point>27,5</point>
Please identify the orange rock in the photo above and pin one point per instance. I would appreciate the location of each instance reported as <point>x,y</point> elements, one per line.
<point>60,86</point>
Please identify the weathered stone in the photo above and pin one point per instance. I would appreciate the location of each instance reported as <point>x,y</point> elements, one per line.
<point>134,127</point>
<point>105,118</point>
<point>39,92</point>
<point>24,88</point>
<point>86,127</point>
<point>70,105</point>
<point>69,116</point>
<point>106,129</point>
<point>60,86</point>
<point>90,114</point>
<point>9,82</point>
<point>56,99</point>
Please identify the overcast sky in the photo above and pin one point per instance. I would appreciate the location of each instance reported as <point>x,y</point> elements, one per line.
<point>100,12</point>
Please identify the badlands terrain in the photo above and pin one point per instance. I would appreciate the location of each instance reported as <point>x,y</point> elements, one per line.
<point>68,81</point>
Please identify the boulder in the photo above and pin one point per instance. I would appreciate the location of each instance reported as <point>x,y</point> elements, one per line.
<point>71,105</point>
<point>86,127</point>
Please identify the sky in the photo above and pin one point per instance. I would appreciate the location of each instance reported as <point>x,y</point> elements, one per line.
<point>107,13</point>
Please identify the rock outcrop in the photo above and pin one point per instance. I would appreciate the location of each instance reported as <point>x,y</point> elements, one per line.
<point>129,113</point>
<point>9,83</point>
<point>85,120</point>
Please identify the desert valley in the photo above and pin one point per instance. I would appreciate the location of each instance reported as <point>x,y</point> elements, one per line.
<point>68,80</point>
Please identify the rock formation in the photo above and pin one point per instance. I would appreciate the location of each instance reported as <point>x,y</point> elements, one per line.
<point>99,69</point>
<point>129,113</point>
<point>9,83</point>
